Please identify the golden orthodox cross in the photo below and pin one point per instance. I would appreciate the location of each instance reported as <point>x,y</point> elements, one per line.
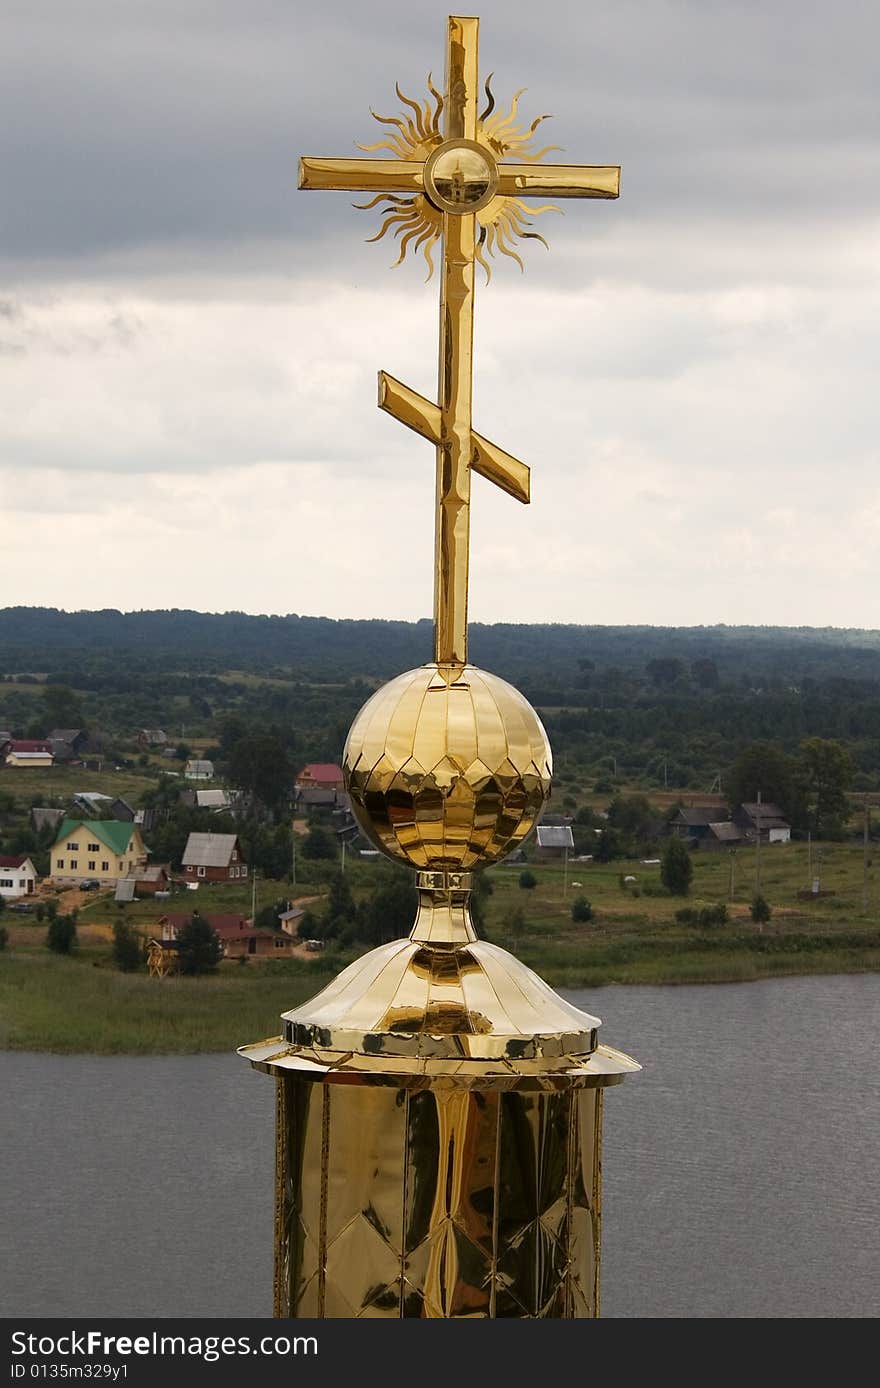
<point>458,177</point>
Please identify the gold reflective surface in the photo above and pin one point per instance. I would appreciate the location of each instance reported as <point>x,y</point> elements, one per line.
<point>460,177</point>
<point>438,1204</point>
<point>439,1106</point>
<point>447,767</point>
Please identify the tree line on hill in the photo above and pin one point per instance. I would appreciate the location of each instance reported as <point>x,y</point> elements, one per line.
<point>662,707</point>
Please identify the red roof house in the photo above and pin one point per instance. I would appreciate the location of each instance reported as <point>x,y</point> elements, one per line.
<point>322,775</point>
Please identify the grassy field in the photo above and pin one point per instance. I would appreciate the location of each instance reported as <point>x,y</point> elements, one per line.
<point>47,784</point>
<point>84,1004</point>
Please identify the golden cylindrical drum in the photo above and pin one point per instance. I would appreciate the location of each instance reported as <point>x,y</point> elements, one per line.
<point>401,1201</point>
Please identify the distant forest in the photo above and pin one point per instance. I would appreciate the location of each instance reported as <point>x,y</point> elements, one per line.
<point>653,704</point>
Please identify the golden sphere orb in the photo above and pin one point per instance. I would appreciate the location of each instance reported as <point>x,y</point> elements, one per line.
<point>447,767</point>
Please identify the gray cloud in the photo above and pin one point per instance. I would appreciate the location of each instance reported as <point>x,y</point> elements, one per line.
<point>189,347</point>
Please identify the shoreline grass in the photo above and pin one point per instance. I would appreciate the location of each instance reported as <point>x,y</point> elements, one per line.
<point>83,1005</point>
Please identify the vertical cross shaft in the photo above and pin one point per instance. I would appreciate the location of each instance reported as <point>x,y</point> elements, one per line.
<point>433,187</point>
<point>451,541</point>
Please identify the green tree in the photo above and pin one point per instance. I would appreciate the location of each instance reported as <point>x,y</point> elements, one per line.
<point>198,946</point>
<point>581,910</point>
<point>4,937</point>
<point>764,767</point>
<point>62,708</point>
<point>260,767</point>
<point>664,670</point>
<point>390,911</point>
<point>341,908</point>
<point>633,816</point>
<point>827,769</point>
<point>61,935</point>
<point>318,843</point>
<point>528,880</point>
<point>704,672</point>
<point>609,845</point>
<point>128,952</point>
<point>676,868</point>
<point>760,910</point>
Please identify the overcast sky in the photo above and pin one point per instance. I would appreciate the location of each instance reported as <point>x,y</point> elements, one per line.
<point>188,346</point>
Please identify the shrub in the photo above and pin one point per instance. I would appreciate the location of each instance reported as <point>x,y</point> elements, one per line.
<point>760,910</point>
<point>128,952</point>
<point>61,936</point>
<point>4,937</point>
<point>41,913</point>
<point>676,868</point>
<point>706,916</point>
<point>581,910</point>
<point>528,880</point>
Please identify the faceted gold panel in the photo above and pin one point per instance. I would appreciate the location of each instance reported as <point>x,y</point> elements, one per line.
<point>438,1204</point>
<point>447,767</point>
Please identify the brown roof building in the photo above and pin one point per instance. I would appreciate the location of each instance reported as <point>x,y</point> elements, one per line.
<point>213,858</point>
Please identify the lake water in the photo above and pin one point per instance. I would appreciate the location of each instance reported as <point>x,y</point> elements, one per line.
<point>742,1167</point>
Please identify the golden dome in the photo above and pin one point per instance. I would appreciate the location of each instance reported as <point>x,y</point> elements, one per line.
<point>447,767</point>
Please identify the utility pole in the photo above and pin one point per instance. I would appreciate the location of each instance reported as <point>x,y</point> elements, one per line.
<point>254,897</point>
<point>665,778</point>
<point>758,846</point>
<point>810,859</point>
<point>292,856</point>
<point>343,855</point>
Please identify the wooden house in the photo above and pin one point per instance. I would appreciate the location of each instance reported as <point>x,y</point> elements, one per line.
<point>767,820</point>
<point>213,858</point>
<point>238,935</point>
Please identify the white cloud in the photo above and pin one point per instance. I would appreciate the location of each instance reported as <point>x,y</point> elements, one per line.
<point>188,354</point>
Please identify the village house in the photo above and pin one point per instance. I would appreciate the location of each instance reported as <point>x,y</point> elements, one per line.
<point>724,834</point>
<point>198,770</point>
<point>320,775</point>
<point>44,816</point>
<point>218,801</point>
<point>553,841</point>
<point>18,876</point>
<point>75,738</point>
<point>151,737</point>
<point>104,849</point>
<point>768,820</point>
<point>238,935</point>
<point>320,800</point>
<point>213,858</point>
<point>149,879</point>
<point>692,823</point>
<point>28,752</point>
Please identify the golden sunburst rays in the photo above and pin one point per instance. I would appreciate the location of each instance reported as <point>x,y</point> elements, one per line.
<point>415,221</point>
